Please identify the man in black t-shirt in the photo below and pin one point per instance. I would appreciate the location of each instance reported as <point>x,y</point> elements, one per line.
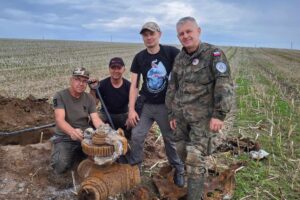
<point>114,91</point>
<point>154,64</point>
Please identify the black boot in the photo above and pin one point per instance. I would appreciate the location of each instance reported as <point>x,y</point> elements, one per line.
<point>195,188</point>
<point>179,179</point>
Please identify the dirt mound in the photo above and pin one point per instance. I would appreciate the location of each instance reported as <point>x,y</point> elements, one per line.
<point>17,114</point>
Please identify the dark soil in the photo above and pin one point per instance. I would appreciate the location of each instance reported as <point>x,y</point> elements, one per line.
<point>25,171</point>
<point>17,114</point>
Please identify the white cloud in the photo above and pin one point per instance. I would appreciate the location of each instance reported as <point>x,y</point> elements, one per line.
<point>46,20</point>
<point>17,14</point>
<point>114,24</point>
<point>54,2</point>
<point>246,21</point>
<point>212,13</point>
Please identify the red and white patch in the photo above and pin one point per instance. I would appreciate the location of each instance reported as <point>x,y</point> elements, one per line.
<point>217,53</point>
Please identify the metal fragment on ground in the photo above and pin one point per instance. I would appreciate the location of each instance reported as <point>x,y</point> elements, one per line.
<point>221,186</point>
<point>163,180</point>
<point>258,155</point>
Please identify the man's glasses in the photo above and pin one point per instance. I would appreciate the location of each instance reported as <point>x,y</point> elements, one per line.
<point>81,80</point>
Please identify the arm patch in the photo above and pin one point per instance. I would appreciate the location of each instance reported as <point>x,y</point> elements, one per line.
<point>221,67</point>
<point>55,103</point>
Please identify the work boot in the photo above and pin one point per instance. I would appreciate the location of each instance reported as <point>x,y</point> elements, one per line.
<point>195,188</point>
<point>179,179</point>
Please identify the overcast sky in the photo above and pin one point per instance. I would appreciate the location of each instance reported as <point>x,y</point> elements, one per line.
<point>260,23</point>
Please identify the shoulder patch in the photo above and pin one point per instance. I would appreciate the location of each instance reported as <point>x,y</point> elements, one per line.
<point>54,102</point>
<point>221,67</point>
<point>217,53</point>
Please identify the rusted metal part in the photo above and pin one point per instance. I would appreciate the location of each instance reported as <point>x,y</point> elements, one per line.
<point>238,145</point>
<point>221,186</point>
<point>217,186</point>
<point>166,186</point>
<point>99,139</point>
<point>104,142</point>
<point>100,182</point>
<point>140,193</point>
<point>97,150</point>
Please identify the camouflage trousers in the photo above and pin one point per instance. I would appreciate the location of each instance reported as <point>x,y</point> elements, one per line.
<point>194,142</point>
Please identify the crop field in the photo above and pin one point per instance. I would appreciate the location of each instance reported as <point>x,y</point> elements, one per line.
<point>42,67</point>
<point>266,109</point>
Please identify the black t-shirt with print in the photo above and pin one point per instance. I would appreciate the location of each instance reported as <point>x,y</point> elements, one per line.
<point>116,99</point>
<point>155,69</point>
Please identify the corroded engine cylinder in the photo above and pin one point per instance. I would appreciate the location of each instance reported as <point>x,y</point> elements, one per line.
<point>100,182</point>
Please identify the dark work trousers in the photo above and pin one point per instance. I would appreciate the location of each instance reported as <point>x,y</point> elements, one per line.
<point>159,114</point>
<point>65,153</point>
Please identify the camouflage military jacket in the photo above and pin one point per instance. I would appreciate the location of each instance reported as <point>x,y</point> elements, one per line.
<point>200,86</point>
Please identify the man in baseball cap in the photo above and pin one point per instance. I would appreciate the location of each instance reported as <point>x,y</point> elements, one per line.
<point>73,109</point>
<point>81,71</point>
<point>114,91</point>
<point>116,61</point>
<point>153,64</point>
<point>151,26</point>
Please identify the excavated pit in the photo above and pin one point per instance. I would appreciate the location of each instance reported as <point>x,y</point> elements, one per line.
<point>25,171</point>
<point>17,114</point>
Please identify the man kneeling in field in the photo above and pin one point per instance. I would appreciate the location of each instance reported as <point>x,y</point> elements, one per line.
<point>74,108</point>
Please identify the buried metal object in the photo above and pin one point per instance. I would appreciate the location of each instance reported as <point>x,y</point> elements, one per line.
<point>100,182</point>
<point>102,176</point>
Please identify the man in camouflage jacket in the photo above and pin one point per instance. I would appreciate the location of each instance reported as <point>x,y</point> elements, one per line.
<point>198,98</point>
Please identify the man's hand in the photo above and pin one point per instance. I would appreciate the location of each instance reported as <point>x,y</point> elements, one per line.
<point>133,118</point>
<point>77,134</point>
<point>128,124</point>
<point>93,83</point>
<point>215,125</point>
<point>173,124</point>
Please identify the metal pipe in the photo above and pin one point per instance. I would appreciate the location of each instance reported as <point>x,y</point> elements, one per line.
<point>105,109</point>
<point>26,130</point>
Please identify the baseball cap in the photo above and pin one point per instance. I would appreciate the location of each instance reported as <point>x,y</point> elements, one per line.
<point>81,71</point>
<point>151,26</point>
<point>116,61</point>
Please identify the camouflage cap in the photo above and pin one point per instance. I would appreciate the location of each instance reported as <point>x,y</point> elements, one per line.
<point>151,26</point>
<point>81,71</point>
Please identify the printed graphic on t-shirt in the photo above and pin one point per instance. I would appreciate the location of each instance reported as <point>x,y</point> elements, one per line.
<point>156,77</point>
